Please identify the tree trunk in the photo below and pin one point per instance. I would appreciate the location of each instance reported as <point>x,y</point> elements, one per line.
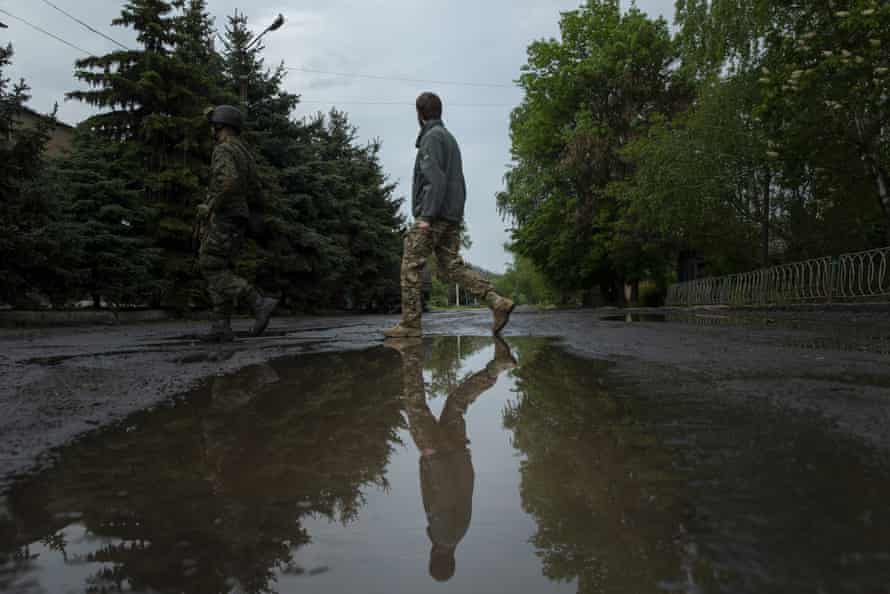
<point>870,155</point>
<point>764,221</point>
<point>882,183</point>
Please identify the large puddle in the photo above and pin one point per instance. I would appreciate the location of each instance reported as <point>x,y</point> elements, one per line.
<point>442,467</point>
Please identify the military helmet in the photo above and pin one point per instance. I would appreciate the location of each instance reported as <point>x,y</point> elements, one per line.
<point>226,115</point>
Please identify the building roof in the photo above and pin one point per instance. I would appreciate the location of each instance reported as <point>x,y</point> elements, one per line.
<point>37,114</point>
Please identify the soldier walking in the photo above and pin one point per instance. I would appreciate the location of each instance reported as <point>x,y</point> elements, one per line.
<point>438,198</point>
<point>223,221</point>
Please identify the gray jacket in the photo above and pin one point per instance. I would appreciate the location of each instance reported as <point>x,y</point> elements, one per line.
<point>439,190</point>
<point>446,484</point>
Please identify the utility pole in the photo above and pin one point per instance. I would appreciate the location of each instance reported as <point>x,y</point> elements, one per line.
<point>243,80</point>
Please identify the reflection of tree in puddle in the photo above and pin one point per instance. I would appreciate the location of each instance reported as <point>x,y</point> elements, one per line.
<point>650,492</point>
<point>207,496</point>
<point>444,359</point>
<point>600,491</point>
<point>631,491</point>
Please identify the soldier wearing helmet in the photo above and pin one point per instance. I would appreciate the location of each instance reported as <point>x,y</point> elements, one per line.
<point>224,216</point>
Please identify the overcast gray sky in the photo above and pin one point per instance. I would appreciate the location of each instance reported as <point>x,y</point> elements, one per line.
<point>481,41</point>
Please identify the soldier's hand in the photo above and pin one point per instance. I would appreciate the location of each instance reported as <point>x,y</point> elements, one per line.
<point>203,211</point>
<point>424,225</point>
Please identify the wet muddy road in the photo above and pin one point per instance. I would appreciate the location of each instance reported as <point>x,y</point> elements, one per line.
<point>705,453</point>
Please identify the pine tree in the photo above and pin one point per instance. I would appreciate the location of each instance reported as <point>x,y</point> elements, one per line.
<point>194,37</point>
<point>30,257</point>
<point>103,199</point>
<point>154,99</point>
<point>285,259</point>
<point>245,68</point>
<point>333,222</point>
<point>361,216</point>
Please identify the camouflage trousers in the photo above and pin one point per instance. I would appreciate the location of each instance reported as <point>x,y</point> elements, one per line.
<point>449,431</point>
<point>216,258</point>
<point>443,240</point>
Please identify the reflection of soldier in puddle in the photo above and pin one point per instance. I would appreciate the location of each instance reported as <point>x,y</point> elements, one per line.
<point>446,468</point>
<point>220,422</point>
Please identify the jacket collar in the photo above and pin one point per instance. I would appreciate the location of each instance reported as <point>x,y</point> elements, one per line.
<point>426,128</point>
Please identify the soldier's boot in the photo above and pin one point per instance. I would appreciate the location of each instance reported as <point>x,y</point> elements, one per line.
<point>501,308</point>
<point>410,326</point>
<point>262,310</point>
<point>404,329</point>
<point>503,358</point>
<point>220,330</point>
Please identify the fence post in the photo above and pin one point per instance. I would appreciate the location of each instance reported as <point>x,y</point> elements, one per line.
<point>832,277</point>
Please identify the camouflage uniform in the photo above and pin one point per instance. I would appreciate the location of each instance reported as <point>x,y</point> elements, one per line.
<point>232,174</point>
<point>438,198</point>
<point>443,240</point>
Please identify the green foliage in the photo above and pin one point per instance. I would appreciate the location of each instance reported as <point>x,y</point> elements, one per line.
<point>34,263</point>
<point>765,140</point>
<point>587,95</point>
<point>826,79</point>
<point>333,224</point>
<point>445,358</point>
<point>153,100</point>
<point>103,201</point>
<point>440,295</point>
<point>722,34</point>
<point>233,479</point>
<point>652,293</point>
<point>525,284</point>
<point>822,72</point>
<point>698,184</point>
<point>758,133</point>
<point>113,219</point>
<point>355,213</point>
<point>594,514</point>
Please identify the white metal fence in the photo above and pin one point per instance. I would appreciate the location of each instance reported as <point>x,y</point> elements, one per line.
<point>851,277</point>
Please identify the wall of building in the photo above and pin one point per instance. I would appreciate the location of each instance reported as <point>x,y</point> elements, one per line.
<point>61,135</point>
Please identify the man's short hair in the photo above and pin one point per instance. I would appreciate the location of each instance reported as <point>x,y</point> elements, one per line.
<point>429,106</point>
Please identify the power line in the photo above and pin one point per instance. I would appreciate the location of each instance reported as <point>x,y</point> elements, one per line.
<point>414,80</point>
<point>96,31</point>
<point>45,32</point>
<point>401,103</point>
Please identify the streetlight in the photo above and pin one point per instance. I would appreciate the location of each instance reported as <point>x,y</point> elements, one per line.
<point>276,24</point>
